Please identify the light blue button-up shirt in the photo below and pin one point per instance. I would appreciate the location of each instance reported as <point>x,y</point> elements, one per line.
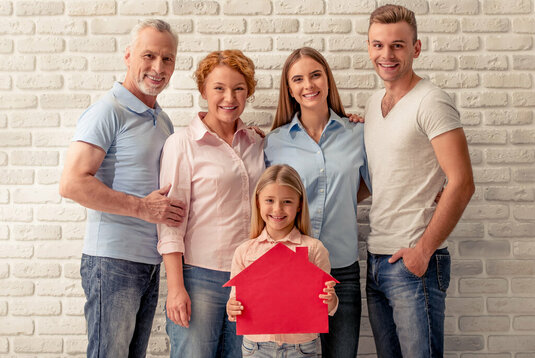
<point>132,135</point>
<point>331,171</point>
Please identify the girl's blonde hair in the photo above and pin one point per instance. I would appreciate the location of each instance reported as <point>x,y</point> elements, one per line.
<point>282,175</point>
<point>288,106</point>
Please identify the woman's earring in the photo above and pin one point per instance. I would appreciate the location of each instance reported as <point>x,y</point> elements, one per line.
<point>250,99</point>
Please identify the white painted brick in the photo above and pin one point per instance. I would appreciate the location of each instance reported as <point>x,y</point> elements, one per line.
<point>48,176</point>
<point>55,26</point>
<point>438,24</point>
<point>502,230</point>
<point>523,62</point>
<point>17,27</point>
<point>61,325</point>
<point>27,307</point>
<point>36,270</point>
<point>52,139</point>
<point>277,25</point>
<point>506,80</point>
<point>435,62</point>
<point>338,61</point>
<point>523,136</point>
<point>202,44</point>
<point>143,7</point>
<point>16,213</point>
<point>484,99</point>
<point>485,24</point>
<point>90,81</point>
<point>327,26</point>
<point>181,26</point>
<point>350,81</point>
<point>269,61</point>
<point>33,81</point>
<point>30,232</point>
<point>4,196</point>
<point>524,99</point>
<point>75,345</point>
<point>18,101</point>
<point>511,267</point>
<point>35,158</point>
<point>509,117</point>
<point>4,273</point>
<point>263,81</point>
<point>3,158</point>
<point>16,288</point>
<point>448,7</point>
<point>62,63</point>
<point>523,286</point>
<point>195,7</point>
<point>361,62</point>
<point>59,288</point>
<point>261,119</point>
<point>348,43</point>
<point>175,100</point>
<point>16,326</point>
<point>4,232</point>
<point>265,100</point>
<point>470,118</point>
<point>492,249</point>
<point>466,267</point>
<point>524,323</point>
<point>221,26</point>
<point>6,8</point>
<point>293,42</point>
<point>90,8</point>
<point>247,7</point>
<point>110,62</point>
<point>419,7</point>
<point>464,305</point>
<point>518,193</point>
<point>37,344</point>
<point>464,343</point>
<point>31,196</point>
<point>40,44</point>
<point>483,285</point>
<point>38,8</point>
<point>301,7</point>
<point>61,100</point>
<point>455,43</point>
<point>507,7</point>
<point>3,120</point>
<point>34,119</point>
<point>105,26</point>
<point>455,80</point>
<point>5,82</point>
<point>509,43</point>
<point>92,45</point>
<point>21,251</point>
<point>6,46</point>
<point>61,213</point>
<point>16,176</point>
<point>71,270</point>
<point>181,118</point>
<point>524,175</point>
<point>524,25</point>
<point>16,64</point>
<point>249,43</point>
<point>344,7</point>
<point>524,212</point>
<point>485,62</point>
<point>183,81</point>
<point>158,345</point>
<point>73,306</point>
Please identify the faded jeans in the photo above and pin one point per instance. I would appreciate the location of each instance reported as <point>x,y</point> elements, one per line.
<point>286,350</point>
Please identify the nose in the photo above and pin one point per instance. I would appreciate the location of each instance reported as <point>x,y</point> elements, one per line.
<point>229,95</point>
<point>388,53</point>
<point>277,206</point>
<point>307,82</point>
<point>158,65</point>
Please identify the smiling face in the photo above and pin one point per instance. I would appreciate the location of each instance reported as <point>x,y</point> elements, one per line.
<point>308,84</point>
<point>150,62</point>
<point>392,50</point>
<point>225,90</point>
<point>279,205</point>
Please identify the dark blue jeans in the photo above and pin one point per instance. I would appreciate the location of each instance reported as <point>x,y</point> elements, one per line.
<point>121,301</point>
<point>210,333</point>
<point>406,311</point>
<point>342,341</point>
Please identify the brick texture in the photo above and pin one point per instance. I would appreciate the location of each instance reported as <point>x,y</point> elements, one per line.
<point>59,56</point>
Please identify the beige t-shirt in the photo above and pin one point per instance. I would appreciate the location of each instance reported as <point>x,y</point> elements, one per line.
<point>404,172</point>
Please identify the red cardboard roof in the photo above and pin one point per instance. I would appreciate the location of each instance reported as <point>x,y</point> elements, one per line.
<point>279,293</point>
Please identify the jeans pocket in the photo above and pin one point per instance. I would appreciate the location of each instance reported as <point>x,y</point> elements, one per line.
<point>443,271</point>
<point>407,271</point>
<point>248,348</point>
<point>310,349</point>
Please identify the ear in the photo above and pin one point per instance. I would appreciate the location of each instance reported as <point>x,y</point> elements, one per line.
<point>290,92</point>
<point>127,56</point>
<point>369,48</point>
<point>203,95</point>
<point>417,48</point>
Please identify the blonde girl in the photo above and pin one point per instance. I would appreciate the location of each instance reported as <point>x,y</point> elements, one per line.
<point>280,215</point>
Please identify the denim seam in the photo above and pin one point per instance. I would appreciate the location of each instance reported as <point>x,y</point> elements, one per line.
<point>426,295</point>
<point>99,283</point>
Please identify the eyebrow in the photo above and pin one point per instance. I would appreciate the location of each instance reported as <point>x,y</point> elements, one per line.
<point>315,71</point>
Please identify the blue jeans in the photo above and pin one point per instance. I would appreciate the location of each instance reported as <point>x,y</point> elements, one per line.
<point>342,341</point>
<point>121,301</point>
<point>286,350</point>
<point>210,333</point>
<point>406,311</point>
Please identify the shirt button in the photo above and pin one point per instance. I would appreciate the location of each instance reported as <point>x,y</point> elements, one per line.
<point>322,170</point>
<point>318,152</point>
<point>321,190</point>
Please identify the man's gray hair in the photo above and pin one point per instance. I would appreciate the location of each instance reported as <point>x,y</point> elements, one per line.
<point>156,24</point>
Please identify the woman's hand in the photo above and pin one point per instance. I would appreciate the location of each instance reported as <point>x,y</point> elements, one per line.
<point>329,298</point>
<point>355,118</point>
<point>178,307</point>
<point>234,308</point>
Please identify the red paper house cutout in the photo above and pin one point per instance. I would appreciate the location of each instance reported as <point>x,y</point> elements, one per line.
<point>279,293</point>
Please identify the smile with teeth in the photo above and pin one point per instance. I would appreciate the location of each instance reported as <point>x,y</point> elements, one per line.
<point>228,107</point>
<point>155,79</point>
<point>388,65</point>
<point>277,218</point>
<point>311,95</point>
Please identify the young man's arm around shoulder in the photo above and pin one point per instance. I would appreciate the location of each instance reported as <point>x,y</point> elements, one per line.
<point>452,154</point>
<point>78,183</point>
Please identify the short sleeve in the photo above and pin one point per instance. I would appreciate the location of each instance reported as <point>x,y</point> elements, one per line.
<point>437,114</point>
<point>97,125</point>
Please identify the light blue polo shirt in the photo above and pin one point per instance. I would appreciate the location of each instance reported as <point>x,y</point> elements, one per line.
<point>331,171</point>
<point>132,135</point>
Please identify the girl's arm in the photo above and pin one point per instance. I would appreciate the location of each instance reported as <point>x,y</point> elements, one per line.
<point>178,303</point>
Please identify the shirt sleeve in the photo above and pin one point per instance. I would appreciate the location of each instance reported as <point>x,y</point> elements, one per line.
<point>437,114</point>
<point>175,170</point>
<point>238,265</point>
<point>320,258</point>
<point>98,125</point>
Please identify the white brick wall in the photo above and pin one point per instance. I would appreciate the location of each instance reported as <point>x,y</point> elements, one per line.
<point>57,57</point>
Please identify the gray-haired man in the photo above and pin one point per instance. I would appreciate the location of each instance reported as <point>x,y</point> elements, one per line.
<point>112,168</point>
